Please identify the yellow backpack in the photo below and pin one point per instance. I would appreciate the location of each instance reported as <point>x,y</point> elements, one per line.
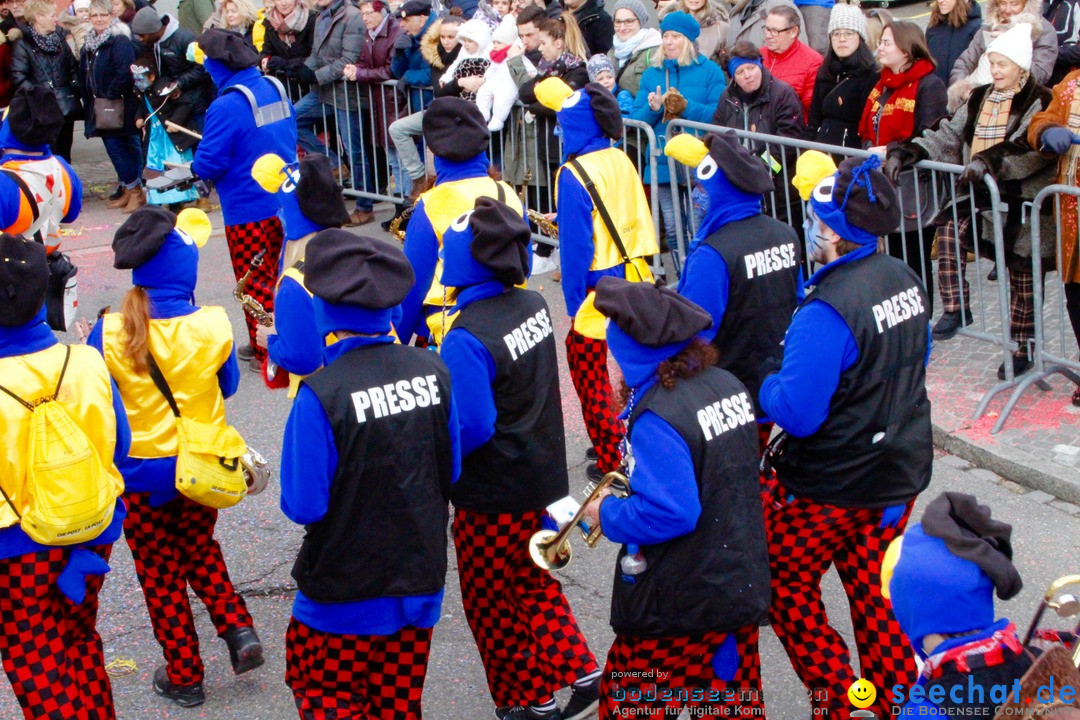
<point>69,496</point>
<point>208,468</point>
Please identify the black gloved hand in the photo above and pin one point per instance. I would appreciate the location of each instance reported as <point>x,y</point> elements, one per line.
<point>975,170</point>
<point>275,64</point>
<point>898,159</point>
<point>771,365</point>
<point>304,75</point>
<point>403,41</point>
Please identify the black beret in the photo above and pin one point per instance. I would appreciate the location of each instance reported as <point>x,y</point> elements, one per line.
<point>24,276</point>
<point>412,8</point>
<point>35,116</point>
<point>500,240</point>
<point>141,236</point>
<point>228,48</point>
<point>347,269</point>
<point>606,110</point>
<point>879,216</point>
<point>742,168</point>
<point>653,315</point>
<point>318,192</point>
<point>970,533</point>
<point>454,129</point>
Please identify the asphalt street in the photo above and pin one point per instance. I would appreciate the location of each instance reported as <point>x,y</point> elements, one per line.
<point>260,544</point>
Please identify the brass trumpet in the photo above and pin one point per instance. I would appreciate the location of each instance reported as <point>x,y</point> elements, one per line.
<point>1064,605</point>
<point>551,550</point>
<point>252,306</point>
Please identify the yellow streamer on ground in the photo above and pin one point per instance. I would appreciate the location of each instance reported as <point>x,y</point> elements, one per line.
<point>121,666</point>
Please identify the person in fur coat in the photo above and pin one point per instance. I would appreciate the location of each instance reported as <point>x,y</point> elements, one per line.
<point>972,69</point>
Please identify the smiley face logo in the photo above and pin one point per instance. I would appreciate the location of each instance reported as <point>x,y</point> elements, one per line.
<point>862,693</point>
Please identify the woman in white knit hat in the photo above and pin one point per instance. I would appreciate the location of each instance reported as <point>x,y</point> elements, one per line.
<point>988,135</point>
<point>844,80</point>
<point>466,74</point>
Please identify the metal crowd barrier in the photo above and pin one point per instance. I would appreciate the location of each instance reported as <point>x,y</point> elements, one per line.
<point>944,198</point>
<point>1051,351</point>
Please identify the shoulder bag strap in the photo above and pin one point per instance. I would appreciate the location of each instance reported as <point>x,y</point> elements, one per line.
<point>600,208</point>
<point>159,381</point>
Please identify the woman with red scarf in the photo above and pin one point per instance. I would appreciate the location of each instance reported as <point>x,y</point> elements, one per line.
<point>907,99</point>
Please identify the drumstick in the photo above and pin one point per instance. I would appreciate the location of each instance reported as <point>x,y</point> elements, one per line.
<point>173,127</point>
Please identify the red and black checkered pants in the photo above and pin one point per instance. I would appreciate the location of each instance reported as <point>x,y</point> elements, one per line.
<point>341,677</point>
<point>527,636</point>
<point>587,359</point>
<point>245,241</point>
<point>805,538</point>
<point>658,677</point>
<point>173,546</point>
<point>953,284</point>
<point>51,649</point>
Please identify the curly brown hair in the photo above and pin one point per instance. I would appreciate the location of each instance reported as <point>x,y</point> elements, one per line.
<point>689,362</point>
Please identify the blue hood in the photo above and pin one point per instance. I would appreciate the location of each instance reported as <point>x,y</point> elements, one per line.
<point>580,131</point>
<point>727,204</point>
<point>460,268</point>
<point>224,77</point>
<point>9,142</point>
<point>331,318</point>
<point>638,362</point>
<point>175,267</point>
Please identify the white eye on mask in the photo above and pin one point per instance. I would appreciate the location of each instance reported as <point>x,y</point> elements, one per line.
<point>707,168</point>
<point>462,223</point>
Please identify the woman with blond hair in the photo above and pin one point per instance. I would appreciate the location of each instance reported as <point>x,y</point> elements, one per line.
<point>238,16</point>
<point>712,16</point>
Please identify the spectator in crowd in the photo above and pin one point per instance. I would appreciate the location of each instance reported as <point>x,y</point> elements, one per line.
<point>160,145</point>
<point>634,44</point>
<point>682,83</point>
<point>466,74</point>
<point>76,23</point>
<point>876,22</point>
<point>409,64</point>
<point>988,134</point>
<point>499,92</point>
<point>973,69</point>
<point>601,71</point>
<point>844,80</point>
<point>491,13</point>
<point>1055,132</point>
<point>748,21</point>
<point>597,27</point>
<point>758,101</point>
<point>164,39</point>
<point>10,32</point>
<point>890,117</point>
<point>238,16</point>
<point>439,48</point>
<point>125,9</point>
<point>289,32</point>
<point>712,16</point>
<point>562,55</point>
<point>952,27</point>
<point>105,72</point>
<point>816,14</point>
<point>193,14</point>
<point>339,37</point>
<point>42,57</point>
<point>378,107</point>
<point>1064,16</point>
<point>787,57</point>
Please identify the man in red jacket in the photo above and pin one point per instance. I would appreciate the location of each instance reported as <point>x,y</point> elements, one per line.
<point>787,57</point>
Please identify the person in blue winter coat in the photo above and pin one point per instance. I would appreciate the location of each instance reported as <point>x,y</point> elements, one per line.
<point>691,584</point>
<point>410,67</point>
<point>501,352</point>
<point>252,116</point>
<point>681,84</point>
<point>310,201</point>
<point>857,449</point>
<point>370,452</point>
<point>952,25</point>
<point>743,266</point>
<point>48,637</point>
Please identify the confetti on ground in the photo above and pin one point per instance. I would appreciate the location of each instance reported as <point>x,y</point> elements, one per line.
<point>121,666</point>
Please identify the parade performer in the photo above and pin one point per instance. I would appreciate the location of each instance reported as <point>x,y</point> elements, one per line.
<point>252,116</point>
<point>311,201</point>
<point>605,229</point>
<point>940,576</point>
<point>692,580</point>
<point>51,650</point>
<point>40,191</point>
<point>503,364</point>
<point>172,537</point>
<point>743,267</point>
<point>851,396</point>
<point>369,455</point>
<point>455,131</point>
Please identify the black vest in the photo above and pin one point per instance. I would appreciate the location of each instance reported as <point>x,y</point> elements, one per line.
<point>715,578</point>
<point>384,534</point>
<point>763,259</point>
<point>523,466</point>
<point>875,448</point>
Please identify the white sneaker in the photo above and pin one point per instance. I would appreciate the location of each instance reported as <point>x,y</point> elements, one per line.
<point>543,265</point>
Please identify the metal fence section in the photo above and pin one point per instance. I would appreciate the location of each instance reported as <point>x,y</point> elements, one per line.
<point>1050,351</point>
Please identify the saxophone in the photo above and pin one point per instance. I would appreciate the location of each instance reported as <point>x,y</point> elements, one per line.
<point>545,226</point>
<point>395,224</point>
<point>252,306</point>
